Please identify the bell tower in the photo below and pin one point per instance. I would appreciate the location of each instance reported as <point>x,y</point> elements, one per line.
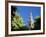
<point>31,21</point>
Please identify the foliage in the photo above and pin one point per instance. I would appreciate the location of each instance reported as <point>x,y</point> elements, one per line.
<point>37,23</point>
<point>16,21</point>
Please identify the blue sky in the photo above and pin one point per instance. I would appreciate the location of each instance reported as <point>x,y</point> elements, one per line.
<point>24,12</point>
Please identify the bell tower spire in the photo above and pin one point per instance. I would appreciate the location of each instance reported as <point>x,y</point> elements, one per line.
<point>31,25</point>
